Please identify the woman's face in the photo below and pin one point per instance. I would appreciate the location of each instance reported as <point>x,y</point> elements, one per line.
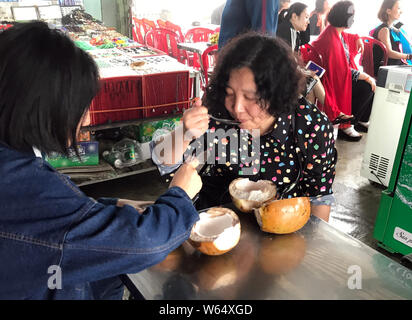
<point>326,6</point>
<point>395,12</point>
<point>351,19</point>
<point>241,101</point>
<point>301,22</point>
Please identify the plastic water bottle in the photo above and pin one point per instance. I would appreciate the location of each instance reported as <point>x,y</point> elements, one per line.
<point>124,153</point>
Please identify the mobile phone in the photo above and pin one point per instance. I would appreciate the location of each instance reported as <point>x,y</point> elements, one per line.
<point>310,84</point>
<point>316,68</point>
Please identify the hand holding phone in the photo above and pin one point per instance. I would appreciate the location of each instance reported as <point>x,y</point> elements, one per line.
<point>319,71</point>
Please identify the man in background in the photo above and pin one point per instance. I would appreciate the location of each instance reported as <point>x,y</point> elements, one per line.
<point>243,15</point>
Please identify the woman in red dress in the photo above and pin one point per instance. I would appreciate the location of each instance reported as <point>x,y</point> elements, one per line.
<point>349,92</point>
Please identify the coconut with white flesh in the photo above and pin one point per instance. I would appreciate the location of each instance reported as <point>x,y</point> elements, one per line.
<point>248,195</point>
<point>217,231</point>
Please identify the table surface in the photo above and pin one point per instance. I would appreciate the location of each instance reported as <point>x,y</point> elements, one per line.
<point>317,262</point>
<point>197,47</point>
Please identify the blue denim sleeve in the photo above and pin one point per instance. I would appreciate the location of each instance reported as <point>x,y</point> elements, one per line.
<point>108,201</point>
<point>107,240</point>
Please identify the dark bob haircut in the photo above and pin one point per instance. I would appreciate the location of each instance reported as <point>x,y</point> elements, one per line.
<point>338,16</point>
<point>46,86</point>
<point>278,81</point>
<point>296,8</point>
<point>386,5</point>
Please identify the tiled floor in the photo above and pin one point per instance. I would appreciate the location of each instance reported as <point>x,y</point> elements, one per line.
<point>357,200</point>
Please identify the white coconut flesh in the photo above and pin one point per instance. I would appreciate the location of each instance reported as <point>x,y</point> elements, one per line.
<point>218,226</point>
<point>259,191</point>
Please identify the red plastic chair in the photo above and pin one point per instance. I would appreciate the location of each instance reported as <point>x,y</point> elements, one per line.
<point>177,29</point>
<point>308,52</point>
<point>138,31</point>
<point>209,59</point>
<point>374,50</point>
<point>161,23</point>
<point>198,34</point>
<point>148,25</point>
<point>166,40</point>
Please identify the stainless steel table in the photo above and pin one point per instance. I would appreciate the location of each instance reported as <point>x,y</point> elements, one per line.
<point>197,48</point>
<point>317,262</point>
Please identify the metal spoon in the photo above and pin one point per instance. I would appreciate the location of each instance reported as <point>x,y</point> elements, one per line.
<point>226,121</point>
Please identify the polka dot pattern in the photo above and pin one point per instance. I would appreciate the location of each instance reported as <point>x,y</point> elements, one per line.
<point>302,141</point>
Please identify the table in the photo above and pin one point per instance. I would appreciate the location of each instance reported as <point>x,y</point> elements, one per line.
<point>197,48</point>
<point>317,262</point>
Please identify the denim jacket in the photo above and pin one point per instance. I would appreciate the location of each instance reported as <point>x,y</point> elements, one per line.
<point>57,243</point>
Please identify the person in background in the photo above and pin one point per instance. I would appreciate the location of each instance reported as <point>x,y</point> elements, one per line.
<point>244,15</point>
<point>293,24</point>
<point>349,92</point>
<point>317,19</point>
<point>278,137</point>
<point>48,226</point>
<point>216,17</point>
<point>283,5</point>
<point>390,12</point>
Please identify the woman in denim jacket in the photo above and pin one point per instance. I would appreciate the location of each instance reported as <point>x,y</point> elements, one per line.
<point>55,242</point>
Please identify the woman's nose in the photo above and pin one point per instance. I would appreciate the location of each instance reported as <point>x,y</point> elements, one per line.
<point>239,106</point>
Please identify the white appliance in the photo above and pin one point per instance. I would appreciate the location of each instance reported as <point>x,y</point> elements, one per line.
<point>388,111</point>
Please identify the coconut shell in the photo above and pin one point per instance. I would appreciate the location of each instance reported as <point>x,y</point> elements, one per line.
<point>208,244</point>
<point>248,206</point>
<point>283,216</point>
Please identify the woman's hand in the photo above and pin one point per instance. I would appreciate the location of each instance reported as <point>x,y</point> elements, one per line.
<point>360,46</point>
<point>196,120</point>
<point>372,82</point>
<point>187,178</point>
<point>140,206</point>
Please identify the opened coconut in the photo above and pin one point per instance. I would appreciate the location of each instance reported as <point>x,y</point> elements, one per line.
<point>283,216</point>
<point>217,231</point>
<point>248,195</point>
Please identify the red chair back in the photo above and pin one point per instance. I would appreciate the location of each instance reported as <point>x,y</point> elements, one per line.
<point>209,59</point>
<point>198,34</point>
<point>148,25</point>
<point>374,56</point>
<point>161,23</point>
<point>138,32</point>
<point>166,40</point>
<point>308,52</point>
<point>176,29</point>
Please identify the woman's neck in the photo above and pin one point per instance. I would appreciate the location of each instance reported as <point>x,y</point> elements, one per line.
<point>390,23</point>
<point>339,30</point>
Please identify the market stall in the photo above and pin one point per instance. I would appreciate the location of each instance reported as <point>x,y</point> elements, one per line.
<point>142,89</point>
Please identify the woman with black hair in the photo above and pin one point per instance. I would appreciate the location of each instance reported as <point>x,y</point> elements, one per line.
<point>57,243</point>
<point>348,90</point>
<point>293,23</point>
<point>276,137</point>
